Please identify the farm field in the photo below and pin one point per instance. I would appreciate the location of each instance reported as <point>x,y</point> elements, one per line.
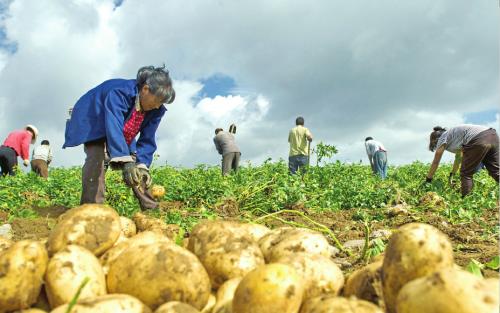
<point>346,199</point>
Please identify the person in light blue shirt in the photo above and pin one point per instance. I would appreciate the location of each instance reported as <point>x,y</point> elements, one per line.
<point>377,154</point>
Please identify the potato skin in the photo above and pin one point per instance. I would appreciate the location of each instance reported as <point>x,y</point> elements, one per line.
<point>31,311</point>
<point>414,250</point>
<point>450,290</point>
<point>225,295</point>
<point>226,250</point>
<point>172,273</point>
<point>319,273</point>
<point>127,226</point>
<point>5,243</point>
<point>22,267</point>
<point>287,240</point>
<point>176,307</point>
<point>365,283</point>
<point>67,269</point>
<point>95,227</point>
<point>333,304</point>
<point>270,288</point>
<point>115,303</point>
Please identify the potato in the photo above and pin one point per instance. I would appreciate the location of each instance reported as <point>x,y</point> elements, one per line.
<point>225,295</point>
<point>333,304</point>
<point>270,288</point>
<point>225,250</point>
<point>143,238</point>
<point>449,290</point>
<point>22,267</point>
<point>115,303</point>
<point>66,271</point>
<point>5,243</point>
<point>127,226</point>
<point>31,311</point>
<point>176,307</point>
<point>319,273</point>
<point>414,250</point>
<point>255,231</point>
<point>283,241</point>
<point>365,283</point>
<point>144,223</point>
<point>95,227</point>
<point>210,304</point>
<point>157,191</point>
<point>171,273</point>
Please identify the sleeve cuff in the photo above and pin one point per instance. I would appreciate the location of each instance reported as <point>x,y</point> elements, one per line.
<point>143,166</point>
<point>123,159</point>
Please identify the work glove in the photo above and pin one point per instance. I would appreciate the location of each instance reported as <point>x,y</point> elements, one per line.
<point>26,162</point>
<point>131,175</point>
<point>145,176</point>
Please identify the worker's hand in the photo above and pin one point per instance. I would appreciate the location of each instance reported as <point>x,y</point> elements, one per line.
<point>145,176</point>
<point>451,179</point>
<point>26,162</point>
<point>131,175</point>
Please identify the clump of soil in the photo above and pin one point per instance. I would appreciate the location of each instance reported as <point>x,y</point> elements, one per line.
<point>170,206</point>
<point>227,208</point>
<point>35,229</point>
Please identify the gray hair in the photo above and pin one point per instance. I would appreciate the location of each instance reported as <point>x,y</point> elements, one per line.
<point>158,80</point>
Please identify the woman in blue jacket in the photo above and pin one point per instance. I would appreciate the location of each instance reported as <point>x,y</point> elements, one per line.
<point>108,118</point>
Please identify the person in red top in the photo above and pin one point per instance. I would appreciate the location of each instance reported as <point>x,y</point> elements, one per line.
<point>17,144</point>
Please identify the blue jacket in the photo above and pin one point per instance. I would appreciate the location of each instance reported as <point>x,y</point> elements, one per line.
<point>101,114</point>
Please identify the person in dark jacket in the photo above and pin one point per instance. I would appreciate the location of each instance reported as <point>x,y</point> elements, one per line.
<point>108,118</point>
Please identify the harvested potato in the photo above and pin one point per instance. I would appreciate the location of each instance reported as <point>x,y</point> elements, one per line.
<point>31,311</point>
<point>319,273</point>
<point>93,226</point>
<point>176,307</point>
<point>172,273</point>
<point>414,250</point>
<point>225,249</point>
<point>286,240</point>
<point>365,283</point>
<point>22,267</point>
<point>225,295</point>
<point>210,304</point>
<point>143,238</point>
<point>66,271</point>
<point>157,191</point>
<point>127,226</point>
<point>269,289</point>
<point>145,223</point>
<point>5,243</point>
<point>333,304</point>
<point>255,231</point>
<point>449,290</point>
<point>115,303</point>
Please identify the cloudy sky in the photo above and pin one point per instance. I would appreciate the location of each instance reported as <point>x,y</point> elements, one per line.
<point>389,69</point>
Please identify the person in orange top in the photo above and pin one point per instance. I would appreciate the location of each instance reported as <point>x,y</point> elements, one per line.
<point>17,144</point>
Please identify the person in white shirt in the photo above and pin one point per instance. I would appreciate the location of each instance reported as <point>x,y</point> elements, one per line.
<point>377,154</point>
<point>41,158</point>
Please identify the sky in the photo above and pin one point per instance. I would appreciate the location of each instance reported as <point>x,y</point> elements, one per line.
<point>389,69</point>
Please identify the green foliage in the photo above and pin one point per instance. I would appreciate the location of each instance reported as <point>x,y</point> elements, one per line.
<point>323,151</point>
<point>264,188</point>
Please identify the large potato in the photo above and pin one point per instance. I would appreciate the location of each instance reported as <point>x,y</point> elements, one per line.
<point>176,307</point>
<point>66,271</point>
<point>93,226</point>
<point>225,249</point>
<point>255,231</point>
<point>115,303</point>
<point>31,311</point>
<point>270,288</point>
<point>22,267</point>
<point>143,238</point>
<point>333,304</point>
<point>319,273</point>
<point>450,290</point>
<point>414,250</point>
<point>225,295</point>
<point>365,283</point>
<point>5,243</point>
<point>284,241</point>
<point>148,223</point>
<point>210,304</point>
<point>160,272</point>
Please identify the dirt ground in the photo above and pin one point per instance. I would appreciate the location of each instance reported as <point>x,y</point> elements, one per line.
<point>472,240</point>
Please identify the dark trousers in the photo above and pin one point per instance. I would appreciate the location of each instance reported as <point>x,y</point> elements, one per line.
<point>482,148</point>
<point>296,162</point>
<point>230,161</point>
<point>93,178</point>
<point>8,159</point>
<point>40,167</point>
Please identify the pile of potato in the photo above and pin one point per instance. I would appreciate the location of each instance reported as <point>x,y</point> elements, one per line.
<point>228,267</point>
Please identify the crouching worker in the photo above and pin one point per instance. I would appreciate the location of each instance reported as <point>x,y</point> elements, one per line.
<point>41,158</point>
<point>108,118</point>
<point>17,144</point>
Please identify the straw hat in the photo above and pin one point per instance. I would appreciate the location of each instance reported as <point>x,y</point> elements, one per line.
<point>35,131</point>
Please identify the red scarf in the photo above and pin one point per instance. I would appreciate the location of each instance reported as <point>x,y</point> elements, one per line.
<point>133,125</point>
